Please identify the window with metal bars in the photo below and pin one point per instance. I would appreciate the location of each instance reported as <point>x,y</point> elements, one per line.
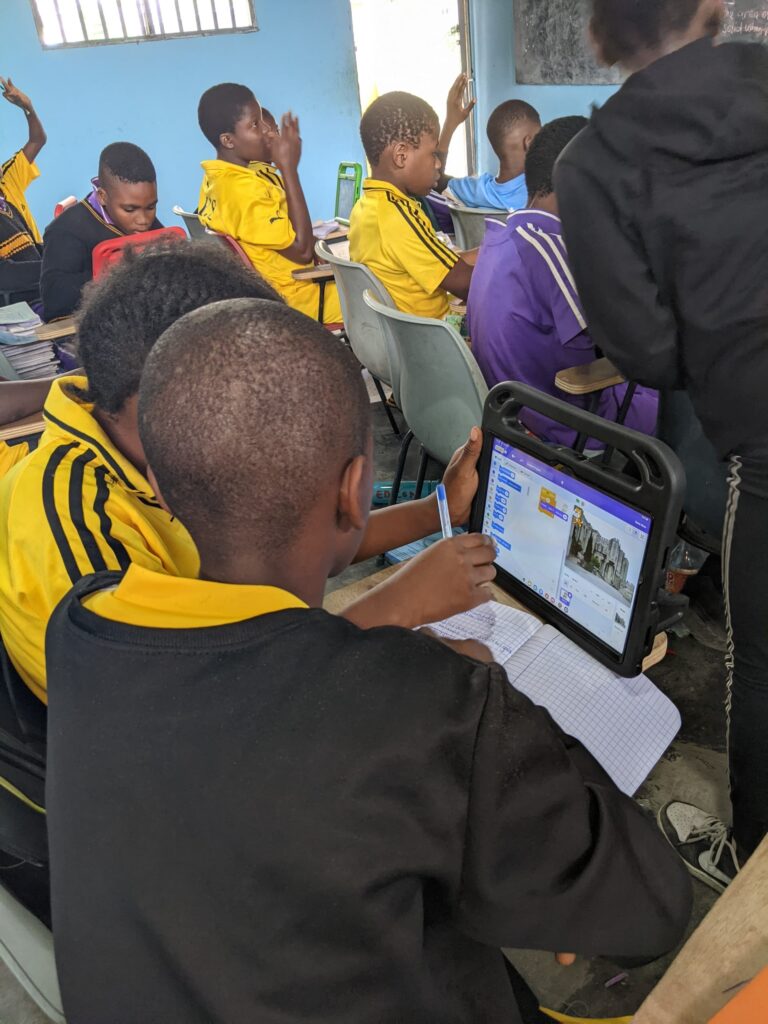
<point>92,22</point>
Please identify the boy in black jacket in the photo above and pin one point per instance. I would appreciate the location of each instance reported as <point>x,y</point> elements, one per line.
<point>664,202</point>
<point>278,816</point>
<point>123,201</point>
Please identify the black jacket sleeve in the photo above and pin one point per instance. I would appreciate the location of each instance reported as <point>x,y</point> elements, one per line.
<point>627,317</point>
<point>67,268</point>
<point>556,857</point>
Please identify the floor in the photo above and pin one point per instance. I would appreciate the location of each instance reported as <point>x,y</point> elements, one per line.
<point>693,769</point>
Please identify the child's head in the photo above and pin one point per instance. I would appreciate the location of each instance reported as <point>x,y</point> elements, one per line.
<point>128,187</point>
<point>542,157</point>
<point>125,312</point>
<point>511,129</point>
<point>400,135</point>
<point>256,425</point>
<point>631,34</point>
<point>271,127</point>
<point>230,117</point>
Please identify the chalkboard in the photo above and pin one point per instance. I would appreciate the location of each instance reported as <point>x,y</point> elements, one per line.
<point>552,43</point>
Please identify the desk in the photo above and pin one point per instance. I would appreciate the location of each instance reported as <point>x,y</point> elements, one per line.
<point>322,274</point>
<point>591,377</point>
<point>34,424</point>
<point>341,599</point>
<point>63,328</point>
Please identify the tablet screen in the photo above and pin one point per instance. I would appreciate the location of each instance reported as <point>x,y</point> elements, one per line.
<point>573,545</point>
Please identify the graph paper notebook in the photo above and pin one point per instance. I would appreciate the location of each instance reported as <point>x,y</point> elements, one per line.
<point>626,724</point>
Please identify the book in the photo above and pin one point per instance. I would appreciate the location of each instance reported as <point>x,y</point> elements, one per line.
<point>626,724</point>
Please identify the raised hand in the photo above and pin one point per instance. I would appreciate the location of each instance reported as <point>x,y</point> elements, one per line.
<point>14,95</point>
<point>285,148</point>
<point>456,110</point>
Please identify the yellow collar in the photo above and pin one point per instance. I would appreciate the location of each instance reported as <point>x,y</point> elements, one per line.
<point>374,185</point>
<point>146,598</point>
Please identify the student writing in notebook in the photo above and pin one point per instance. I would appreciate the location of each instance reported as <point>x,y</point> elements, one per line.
<point>260,205</point>
<point>20,241</point>
<point>82,501</point>
<point>365,816</point>
<point>122,201</point>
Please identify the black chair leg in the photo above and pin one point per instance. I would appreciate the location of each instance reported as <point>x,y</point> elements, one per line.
<point>404,446</point>
<point>424,462</point>
<point>387,407</point>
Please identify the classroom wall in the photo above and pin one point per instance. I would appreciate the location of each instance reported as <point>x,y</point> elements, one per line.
<point>302,58</point>
<point>493,36</point>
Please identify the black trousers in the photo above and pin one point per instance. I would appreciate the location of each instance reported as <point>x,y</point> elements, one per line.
<point>745,575</point>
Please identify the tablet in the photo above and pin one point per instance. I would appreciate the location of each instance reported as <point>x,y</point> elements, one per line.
<point>582,542</point>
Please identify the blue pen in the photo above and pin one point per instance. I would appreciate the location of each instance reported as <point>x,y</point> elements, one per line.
<point>445,515</point>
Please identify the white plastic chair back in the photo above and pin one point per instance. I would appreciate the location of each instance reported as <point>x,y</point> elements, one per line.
<point>366,335</point>
<point>26,948</point>
<point>470,225</point>
<point>192,222</point>
<point>442,391</point>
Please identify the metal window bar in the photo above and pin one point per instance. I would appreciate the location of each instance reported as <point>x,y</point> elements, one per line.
<point>152,27</point>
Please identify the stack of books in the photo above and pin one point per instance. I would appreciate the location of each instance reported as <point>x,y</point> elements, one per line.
<point>22,354</point>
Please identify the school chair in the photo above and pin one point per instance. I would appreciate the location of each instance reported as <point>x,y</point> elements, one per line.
<point>26,949</point>
<point>192,222</point>
<point>111,251</point>
<point>364,331</point>
<point>441,389</point>
<point>470,224</point>
<point>63,205</point>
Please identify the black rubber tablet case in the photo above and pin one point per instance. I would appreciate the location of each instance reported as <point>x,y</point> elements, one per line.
<point>654,483</point>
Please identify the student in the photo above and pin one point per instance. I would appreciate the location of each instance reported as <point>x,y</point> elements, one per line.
<point>123,201</point>
<point>664,201</point>
<point>388,230</point>
<point>511,129</point>
<point>244,196</point>
<point>525,316</point>
<point>82,501</point>
<point>344,824</point>
<point>20,242</point>
<point>270,124</point>
<point>18,399</point>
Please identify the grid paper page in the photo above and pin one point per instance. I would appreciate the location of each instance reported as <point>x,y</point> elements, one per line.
<point>626,724</point>
<point>502,629</point>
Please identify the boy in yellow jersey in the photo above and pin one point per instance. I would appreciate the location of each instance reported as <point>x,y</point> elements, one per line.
<point>389,231</point>
<point>82,503</point>
<point>260,205</point>
<point>20,241</point>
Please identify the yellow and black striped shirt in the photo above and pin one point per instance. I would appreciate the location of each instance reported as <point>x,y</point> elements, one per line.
<point>390,233</point>
<point>75,506</point>
<point>19,236</point>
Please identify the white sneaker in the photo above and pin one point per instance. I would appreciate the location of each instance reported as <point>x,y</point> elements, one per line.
<point>703,841</point>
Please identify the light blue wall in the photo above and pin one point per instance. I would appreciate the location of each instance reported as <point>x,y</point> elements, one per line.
<point>493,35</point>
<point>302,58</point>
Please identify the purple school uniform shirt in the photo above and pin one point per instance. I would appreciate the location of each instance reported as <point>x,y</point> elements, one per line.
<point>526,321</point>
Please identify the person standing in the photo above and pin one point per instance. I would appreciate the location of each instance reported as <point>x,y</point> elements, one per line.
<point>664,203</point>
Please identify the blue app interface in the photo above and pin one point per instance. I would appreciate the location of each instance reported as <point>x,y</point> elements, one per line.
<point>577,548</point>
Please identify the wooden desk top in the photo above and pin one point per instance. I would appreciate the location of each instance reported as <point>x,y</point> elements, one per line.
<point>34,424</point>
<point>323,272</point>
<point>63,328</point>
<point>583,380</point>
<point>342,598</point>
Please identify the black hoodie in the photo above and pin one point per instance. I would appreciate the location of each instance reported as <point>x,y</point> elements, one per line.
<point>664,202</point>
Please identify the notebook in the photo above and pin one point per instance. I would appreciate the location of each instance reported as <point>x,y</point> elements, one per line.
<point>626,724</point>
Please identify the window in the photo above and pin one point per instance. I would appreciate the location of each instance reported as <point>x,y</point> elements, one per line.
<point>88,22</point>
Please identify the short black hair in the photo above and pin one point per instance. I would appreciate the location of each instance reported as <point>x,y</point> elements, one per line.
<point>624,27</point>
<point>247,412</point>
<point>396,117</point>
<point>126,162</point>
<point>220,108</point>
<point>125,312</point>
<point>544,151</point>
<point>507,116</point>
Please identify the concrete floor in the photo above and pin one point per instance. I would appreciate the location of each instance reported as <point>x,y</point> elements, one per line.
<point>693,769</point>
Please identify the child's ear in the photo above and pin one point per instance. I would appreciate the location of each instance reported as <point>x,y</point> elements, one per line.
<point>102,197</point>
<point>153,484</point>
<point>399,154</point>
<point>226,141</point>
<point>354,500</point>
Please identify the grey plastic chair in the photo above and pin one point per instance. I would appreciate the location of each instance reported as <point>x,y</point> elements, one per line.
<point>441,388</point>
<point>367,338</point>
<point>470,224</point>
<point>26,948</point>
<point>193,224</point>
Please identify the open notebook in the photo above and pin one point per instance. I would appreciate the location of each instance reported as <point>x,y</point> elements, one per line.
<point>626,724</point>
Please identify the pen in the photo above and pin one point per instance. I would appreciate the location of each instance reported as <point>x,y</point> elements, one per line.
<point>445,515</point>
